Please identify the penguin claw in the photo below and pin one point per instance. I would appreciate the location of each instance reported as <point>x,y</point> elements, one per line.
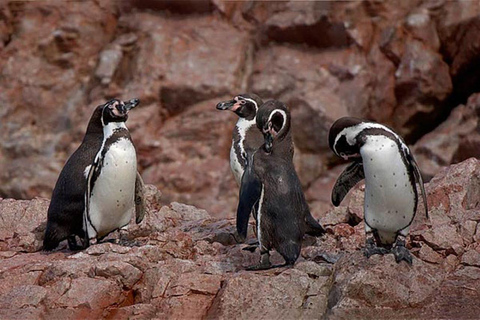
<point>371,249</point>
<point>402,253</point>
<point>258,267</point>
<point>251,248</point>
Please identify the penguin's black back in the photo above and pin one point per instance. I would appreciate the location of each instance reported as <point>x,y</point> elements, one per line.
<point>284,207</point>
<point>65,213</point>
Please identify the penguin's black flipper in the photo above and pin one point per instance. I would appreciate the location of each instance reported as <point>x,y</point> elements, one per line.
<point>418,177</point>
<point>346,181</point>
<point>250,190</point>
<point>93,173</point>
<point>140,202</point>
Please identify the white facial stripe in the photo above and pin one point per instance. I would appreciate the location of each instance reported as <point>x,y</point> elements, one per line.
<point>252,101</point>
<point>352,132</point>
<point>284,116</point>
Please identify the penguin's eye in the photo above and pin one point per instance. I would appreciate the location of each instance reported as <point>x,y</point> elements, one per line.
<point>342,154</point>
<point>243,101</point>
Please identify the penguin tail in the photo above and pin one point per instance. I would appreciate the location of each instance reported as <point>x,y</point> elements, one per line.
<point>290,251</point>
<point>51,239</point>
<point>313,228</point>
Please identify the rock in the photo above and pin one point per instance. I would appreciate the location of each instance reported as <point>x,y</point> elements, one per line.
<point>192,172</point>
<point>457,24</point>
<point>106,293</point>
<point>47,62</point>
<point>195,283</point>
<point>429,255</point>
<point>471,258</point>
<point>358,284</point>
<point>455,140</point>
<point>281,295</point>
<point>182,7</point>
<point>190,75</point>
<point>127,274</point>
<point>23,296</point>
<point>422,27</point>
<point>23,224</point>
<point>187,268</point>
<point>301,23</point>
<point>422,82</point>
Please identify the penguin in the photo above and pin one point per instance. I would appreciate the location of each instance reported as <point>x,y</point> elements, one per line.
<point>381,157</point>
<point>271,185</point>
<point>246,138</point>
<point>99,187</point>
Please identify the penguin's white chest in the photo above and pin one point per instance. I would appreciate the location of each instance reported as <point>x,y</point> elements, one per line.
<point>112,196</point>
<point>236,162</point>
<point>235,165</point>
<point>389,195</point>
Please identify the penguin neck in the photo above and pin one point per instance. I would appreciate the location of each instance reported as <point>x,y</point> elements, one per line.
<point>110,128</point>
<point>244,123</point>
<point>283,146</point>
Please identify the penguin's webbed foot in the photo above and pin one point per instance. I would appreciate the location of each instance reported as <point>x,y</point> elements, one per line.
<point>252,245</point>
<point>401,252</point>
<point>263,265</point>
<point>73,244</point>
<point>371,248</point>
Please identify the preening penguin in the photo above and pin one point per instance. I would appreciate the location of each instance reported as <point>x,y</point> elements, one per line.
<point>270,183</point>
<point>99,187</point>
<point>246,138</point>
<point>382,158</point>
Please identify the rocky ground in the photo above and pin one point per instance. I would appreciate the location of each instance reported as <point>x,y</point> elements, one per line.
<point>181,263</point>
<point>411,65</point>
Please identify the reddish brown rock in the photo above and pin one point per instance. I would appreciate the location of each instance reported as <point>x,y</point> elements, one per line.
<point>23,296</point>
<point>300,22</point>
<point>455,140</point>
<point>192,172</point>
<point>23,224</point>
<point>422,83</point>
<point>471,258</point>
<point>187,268</point>
<point>44,68</point>
<point>458,23</point>
<point>190,75</point>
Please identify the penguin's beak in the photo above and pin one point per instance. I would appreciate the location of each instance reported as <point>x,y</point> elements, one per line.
<point>227,105</point>
<point>131,104</point>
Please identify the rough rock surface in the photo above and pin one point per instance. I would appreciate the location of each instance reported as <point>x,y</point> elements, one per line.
<point>406,65</point>
<point>181,263</point>
<point>456,139</point>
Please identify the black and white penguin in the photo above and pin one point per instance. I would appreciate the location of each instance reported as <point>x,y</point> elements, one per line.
<point>99,187</point>
<point>382,158</point>
<point>246,138</point>
<point>270,183</point>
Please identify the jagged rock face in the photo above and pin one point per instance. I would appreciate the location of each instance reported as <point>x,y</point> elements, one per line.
<point>182,263</point>
<point>405,64</point>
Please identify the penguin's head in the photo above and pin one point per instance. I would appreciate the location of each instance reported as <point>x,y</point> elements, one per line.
<point>244,105</point>
<point>273,120</point>
<point>342,137</point>
<point>117,111</point>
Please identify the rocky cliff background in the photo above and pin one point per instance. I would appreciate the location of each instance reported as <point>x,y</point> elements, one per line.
<point>413,65</point>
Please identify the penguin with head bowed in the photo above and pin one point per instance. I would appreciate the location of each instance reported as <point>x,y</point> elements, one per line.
<point>382,158</point>
<point>271,185</point>
<point>99,188</point>
<point>246,138</point>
